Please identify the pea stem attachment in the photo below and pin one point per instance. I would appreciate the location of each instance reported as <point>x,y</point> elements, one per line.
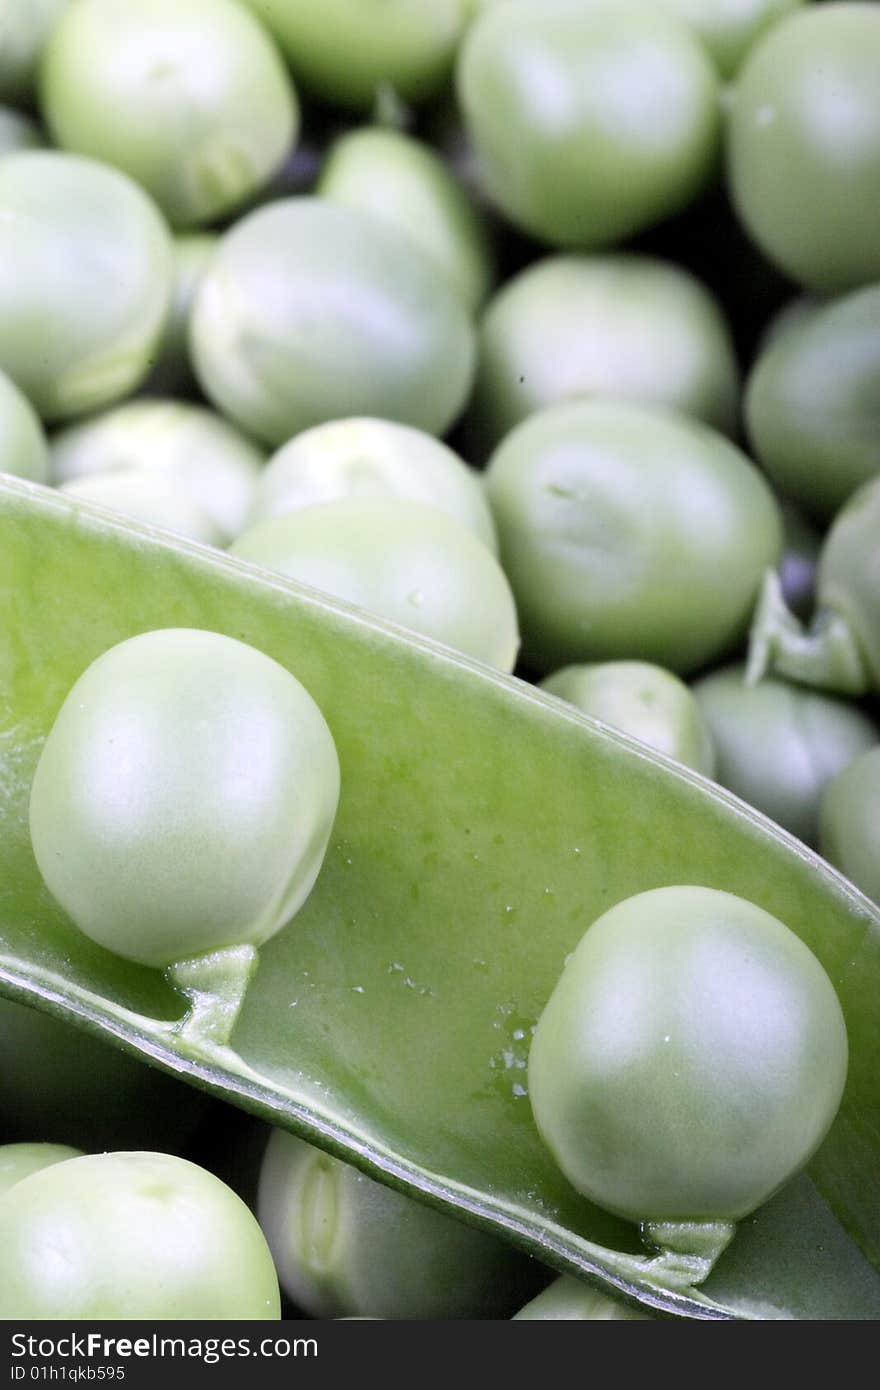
<point>687,1250</point>
<point>215,985</point>
<point>390,111</point>
<point>826,654</point>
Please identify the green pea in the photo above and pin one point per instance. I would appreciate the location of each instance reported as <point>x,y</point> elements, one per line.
<point>171,373</point>
<point>730,28</point>
<point>18,132</point>
<point>372,458</point>
<point>148,497</point>
<point>202,460</point>
<point>345,51</point>
<point>805,146</point>
<point>403,181</point>
<point>840,650</point>
<point>689,1061</point>
<point>591,119</point>
<point>64,1086</point>
<point>811,403</point>
<point>779,745</point>
<point>644,701</point>
<point>346,1246</point>
<point>141,1236</point>
<point>188,97</point>
<point>407,563</point>
<point>23,447</point>
<point>85,281</point>
<point>625,327</point>
<point>18,1161</point>
<point>569,1300</point>
<point>629,533</point>
<point>26,25</point>
<point>184,797</point>
<point>310,312</point>
<point>849,828</point>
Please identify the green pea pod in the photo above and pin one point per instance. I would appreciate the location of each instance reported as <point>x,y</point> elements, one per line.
<point>482,826</point>
<point>840,650</point>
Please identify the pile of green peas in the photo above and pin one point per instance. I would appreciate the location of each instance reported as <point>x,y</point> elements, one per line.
<point>546,330</point>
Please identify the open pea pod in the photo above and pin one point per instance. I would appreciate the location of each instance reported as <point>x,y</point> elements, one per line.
<point>482,827</point>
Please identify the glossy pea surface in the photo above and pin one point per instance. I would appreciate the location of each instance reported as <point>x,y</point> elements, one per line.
<point>404,181</point>
<point>408,563</point>
<point>184,797</point>
<point>591,119</point>
<point>372,458</point>
<point>629,533</point>
<point>644,701</point>
<point>849,834</point>
<point>202,461</point>
<point>812,402</point>
<point>188,97</point>
<point>691,1058</point>
<point>346,1246</point>
<point>779,745</point>
<point>85,281</point>
<point>132,1235</point>
<point>804,146</point>
<point>626,327</point>
<point>310,312</point>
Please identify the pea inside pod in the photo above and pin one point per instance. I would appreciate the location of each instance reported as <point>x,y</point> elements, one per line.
<point>182,805</point>
<point>689,1061</point>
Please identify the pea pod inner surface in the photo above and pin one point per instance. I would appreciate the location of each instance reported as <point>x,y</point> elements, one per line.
<point>481,827</point>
